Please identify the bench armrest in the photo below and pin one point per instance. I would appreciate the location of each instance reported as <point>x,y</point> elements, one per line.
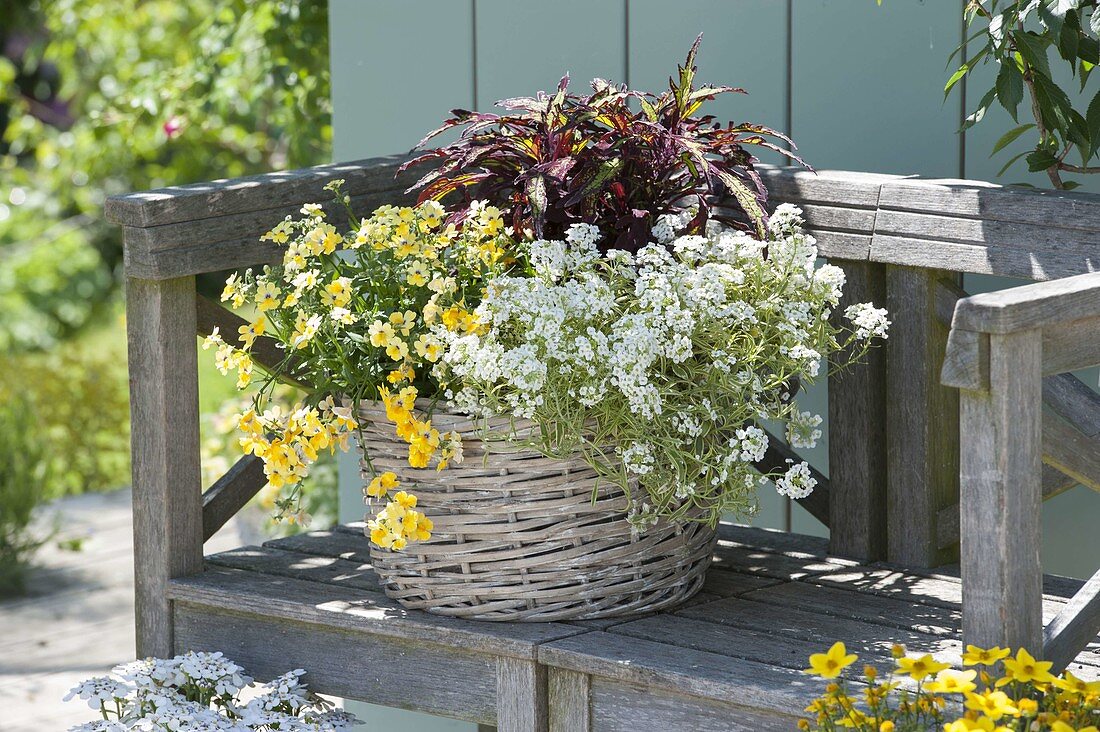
<point>1025,307</point>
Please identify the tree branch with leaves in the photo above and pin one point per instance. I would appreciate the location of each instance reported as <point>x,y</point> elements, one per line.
<point>1018,36</point>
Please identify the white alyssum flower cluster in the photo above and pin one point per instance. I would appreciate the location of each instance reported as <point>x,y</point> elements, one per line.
<point>203,692</point>
<point>673,354</point>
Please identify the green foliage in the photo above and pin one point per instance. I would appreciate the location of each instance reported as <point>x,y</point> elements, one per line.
<point>23,471</point>
<point>1021,36</point>
<point>129,95</point>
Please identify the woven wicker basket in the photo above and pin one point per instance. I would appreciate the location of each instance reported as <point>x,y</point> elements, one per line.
<point>518,536</point>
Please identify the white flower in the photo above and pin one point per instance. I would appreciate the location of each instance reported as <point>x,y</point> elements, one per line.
<point>797,482</point>
<point>638,458</point>
<point>584,236</point>
<point>753,443</point>
<point>664,349</point>
<point>830,280</point>
<point>155,701</point>
<point>802,430</point>
<point>99,690</point>
<point>100,725</point>
<point>869,321</point>
<point>343,315</point>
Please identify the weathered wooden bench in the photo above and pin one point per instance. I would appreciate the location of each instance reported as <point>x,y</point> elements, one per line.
<point>730,659</point>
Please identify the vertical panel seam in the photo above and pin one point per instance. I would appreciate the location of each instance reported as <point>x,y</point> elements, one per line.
<point>788,107</point>
<point>626,42</point>
<point>473,55</point>
<point>962,93</point>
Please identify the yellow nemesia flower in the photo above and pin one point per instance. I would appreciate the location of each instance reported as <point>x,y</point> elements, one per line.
<point>249,333</point>
<point>403,322</point>
<point>417,274</point>
<point>267,296</point>
<point>829,665</point>
<point>382,484</point>
<point>337,293</point>
<point>380,333</point>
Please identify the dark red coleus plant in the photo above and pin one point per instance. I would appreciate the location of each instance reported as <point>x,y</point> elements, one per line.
<point>615,158</point>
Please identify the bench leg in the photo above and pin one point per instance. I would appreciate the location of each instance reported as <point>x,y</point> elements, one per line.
<point>569,701</point>
<point>922,417</point>
<point>521,696</point>
<point>1002,498</point>
<point>857,428</point>
<point>164,416</point>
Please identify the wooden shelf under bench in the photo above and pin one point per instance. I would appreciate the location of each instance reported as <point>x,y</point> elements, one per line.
<point>730,659</point>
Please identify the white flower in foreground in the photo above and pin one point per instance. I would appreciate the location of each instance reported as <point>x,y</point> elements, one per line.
<point>159,694</point>
<point>869,321</point>
<point>100,725</point>
<point>99,690</point>
<point>797,482</point>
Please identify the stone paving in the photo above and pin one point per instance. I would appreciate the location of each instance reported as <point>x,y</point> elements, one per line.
<point>77,618</point>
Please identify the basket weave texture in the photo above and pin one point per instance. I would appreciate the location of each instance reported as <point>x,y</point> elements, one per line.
<point>518,536</point>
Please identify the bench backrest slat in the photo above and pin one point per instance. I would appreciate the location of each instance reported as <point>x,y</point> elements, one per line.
<point>959,226</point>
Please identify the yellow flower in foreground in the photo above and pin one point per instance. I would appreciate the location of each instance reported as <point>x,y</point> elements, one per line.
<point>976,656</point>
<point>1027,707</point>
<point>919,668</point>
<point>829,665</point>
<point>1060,726</point>
<point>985,724</point>
<point>382,484</point>
<point>1074,685</point>
<point>1025,669</point>
<point>950,681</point>
<point>993,704</point>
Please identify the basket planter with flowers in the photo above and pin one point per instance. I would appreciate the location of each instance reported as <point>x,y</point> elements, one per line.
<point>556,362</point>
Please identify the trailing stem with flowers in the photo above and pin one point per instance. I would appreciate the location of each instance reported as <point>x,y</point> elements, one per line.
<point>566,268</point>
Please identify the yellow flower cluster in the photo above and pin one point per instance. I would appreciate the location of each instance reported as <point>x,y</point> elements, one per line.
<point>398,522</point>
<point>227,358</point>
<point>1003,694</point>
<point>425,442</point>
<point>289,442</point>
<point>359,314</point>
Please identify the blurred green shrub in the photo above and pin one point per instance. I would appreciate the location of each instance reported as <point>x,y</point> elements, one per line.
<point>79,394</point>
<point>107,97</point>
<point>24,468</point>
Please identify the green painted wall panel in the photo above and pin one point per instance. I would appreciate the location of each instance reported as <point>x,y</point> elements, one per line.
<point>398,67</point>
<point>524,47</point>
<point>867,84</point>
<point>744,45</point>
